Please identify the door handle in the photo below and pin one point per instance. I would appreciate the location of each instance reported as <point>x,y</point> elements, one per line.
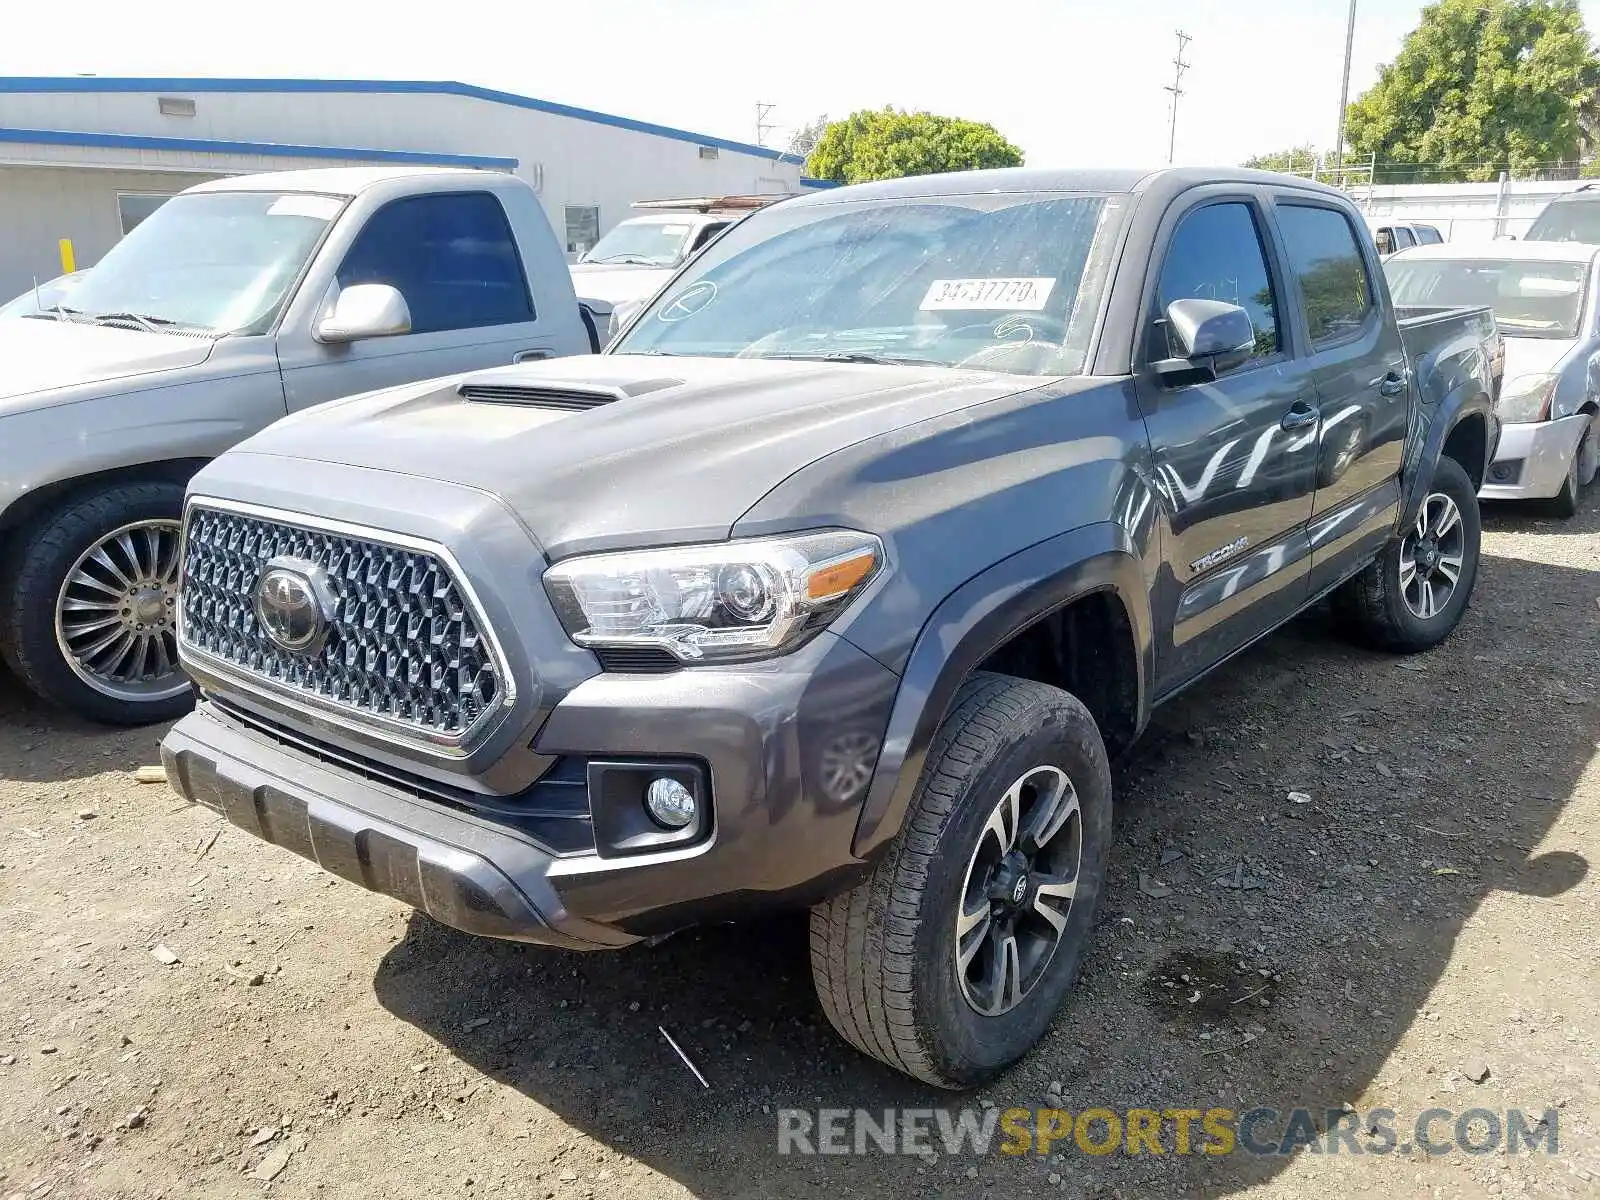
<point>1301,416</point>
<point>1392,384</point>
<point>522,356</point>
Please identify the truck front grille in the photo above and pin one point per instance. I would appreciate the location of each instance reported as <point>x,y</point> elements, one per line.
<point>402,646</point>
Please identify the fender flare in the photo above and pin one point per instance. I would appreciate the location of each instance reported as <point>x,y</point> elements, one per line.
<point>1467,400</point>
<point>968,625</point>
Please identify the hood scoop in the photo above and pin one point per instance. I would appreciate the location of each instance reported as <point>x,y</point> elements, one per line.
<point>507,388</point>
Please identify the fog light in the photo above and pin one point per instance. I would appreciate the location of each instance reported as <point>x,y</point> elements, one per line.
<point>670,803</point>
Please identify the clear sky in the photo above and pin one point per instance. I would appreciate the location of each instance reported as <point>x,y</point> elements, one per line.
<point>1073,82</point>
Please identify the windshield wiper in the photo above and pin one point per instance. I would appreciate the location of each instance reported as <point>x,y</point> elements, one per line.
<point>56,312</point>
<point>630,260</point>
<point>147,323</point>
<point>859,356</point>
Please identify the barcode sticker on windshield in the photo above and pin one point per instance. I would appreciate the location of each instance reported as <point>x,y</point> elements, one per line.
<point>1010,295</point>
<point>323,208</point>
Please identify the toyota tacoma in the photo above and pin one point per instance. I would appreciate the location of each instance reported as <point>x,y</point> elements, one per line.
<point>835,582</point>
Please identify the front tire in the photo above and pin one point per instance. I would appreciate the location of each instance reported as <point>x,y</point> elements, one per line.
<point>87,616</point>
<point>1580,473</point>
<point>1413,595</point>
<point>951,959</point>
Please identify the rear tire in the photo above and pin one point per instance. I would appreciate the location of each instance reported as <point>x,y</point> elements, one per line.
<point>907,962</point>
<point>43,619</point>
<point>1399,601</point>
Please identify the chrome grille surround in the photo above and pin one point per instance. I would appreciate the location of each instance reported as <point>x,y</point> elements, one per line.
<point>409,655</point>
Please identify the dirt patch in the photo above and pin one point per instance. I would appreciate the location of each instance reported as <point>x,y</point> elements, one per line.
<point>1208,987</point>
<point>1430,908</point>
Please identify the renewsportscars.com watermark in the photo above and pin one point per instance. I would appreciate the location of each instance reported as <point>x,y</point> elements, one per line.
<point>1264,1132</point>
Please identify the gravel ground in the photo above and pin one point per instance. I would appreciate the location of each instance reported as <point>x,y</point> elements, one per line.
<point>1419,932</point>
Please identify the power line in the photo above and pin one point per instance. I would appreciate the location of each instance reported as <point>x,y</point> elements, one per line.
<point>763,111</point>
<point>1179,66</point>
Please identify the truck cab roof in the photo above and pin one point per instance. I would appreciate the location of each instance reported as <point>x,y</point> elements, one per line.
<point>344,181</point>
<point>1130,180</point>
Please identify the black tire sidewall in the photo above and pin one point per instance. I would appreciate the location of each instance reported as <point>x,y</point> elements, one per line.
<point>1416,632</point>
<point>28,603</point>
<point>1566,502</point>
<point>966,1046</point>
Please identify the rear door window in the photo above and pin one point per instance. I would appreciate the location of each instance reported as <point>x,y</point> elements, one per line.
<point>451,255</point>
<point>1326,260</point>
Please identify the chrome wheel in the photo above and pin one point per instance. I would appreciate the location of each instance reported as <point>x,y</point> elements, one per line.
<point>1432,556</point>
<point>116,613</point>
<point>1018,891</point>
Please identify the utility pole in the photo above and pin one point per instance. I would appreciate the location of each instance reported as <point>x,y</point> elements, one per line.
<point>1344,98</point>
<point>763,111</point>
<point>1179,66</point>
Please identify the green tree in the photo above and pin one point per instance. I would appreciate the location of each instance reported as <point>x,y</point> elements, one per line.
<point>890,143</point>
<point>1480,86</point>
<point>1299,159</point>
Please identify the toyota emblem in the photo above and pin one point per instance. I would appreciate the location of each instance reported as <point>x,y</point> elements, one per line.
<point>293,605</point>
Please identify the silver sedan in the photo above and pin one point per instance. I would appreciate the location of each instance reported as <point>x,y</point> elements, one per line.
<point>1547,306</point>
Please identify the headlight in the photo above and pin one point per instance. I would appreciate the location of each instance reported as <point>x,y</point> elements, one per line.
<point>1527,397</point>
<point>714,603</point>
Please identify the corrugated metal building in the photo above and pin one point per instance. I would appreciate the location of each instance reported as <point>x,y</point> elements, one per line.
<point>86,158</point>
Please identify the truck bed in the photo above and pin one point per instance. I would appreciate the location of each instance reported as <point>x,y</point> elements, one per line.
<point>1443,344</point>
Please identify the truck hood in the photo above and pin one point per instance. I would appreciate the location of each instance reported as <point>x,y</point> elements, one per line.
<point>615,284</point>
<point>38,355</point>
<point>678,451</point>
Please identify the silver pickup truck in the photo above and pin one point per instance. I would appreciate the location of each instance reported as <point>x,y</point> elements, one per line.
<point>235,303</point>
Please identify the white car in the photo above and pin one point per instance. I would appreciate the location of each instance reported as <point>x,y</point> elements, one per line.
<point>1547,307</point>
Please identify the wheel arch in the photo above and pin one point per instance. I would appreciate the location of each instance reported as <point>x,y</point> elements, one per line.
<point>1468,443</point>
<point>1052,597</point>
<point>1463,423</point>
<point>47,497</point>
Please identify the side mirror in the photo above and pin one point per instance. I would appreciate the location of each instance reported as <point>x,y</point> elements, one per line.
<point>1211,336</point>
<point>366,310</point>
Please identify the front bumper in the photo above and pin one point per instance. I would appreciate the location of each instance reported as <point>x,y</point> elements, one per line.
<point>1533,459</point>
<point>770,735</point>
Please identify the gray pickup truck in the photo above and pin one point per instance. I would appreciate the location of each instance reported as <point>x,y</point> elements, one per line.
<point>236,302</point>
<point>836,580</point>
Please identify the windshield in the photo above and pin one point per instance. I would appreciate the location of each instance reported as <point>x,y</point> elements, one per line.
<point>646,243</point>
<point>220,262</point>
<point>1005,282</point>
<point>1530,299</point>
<point>1568,221</point>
